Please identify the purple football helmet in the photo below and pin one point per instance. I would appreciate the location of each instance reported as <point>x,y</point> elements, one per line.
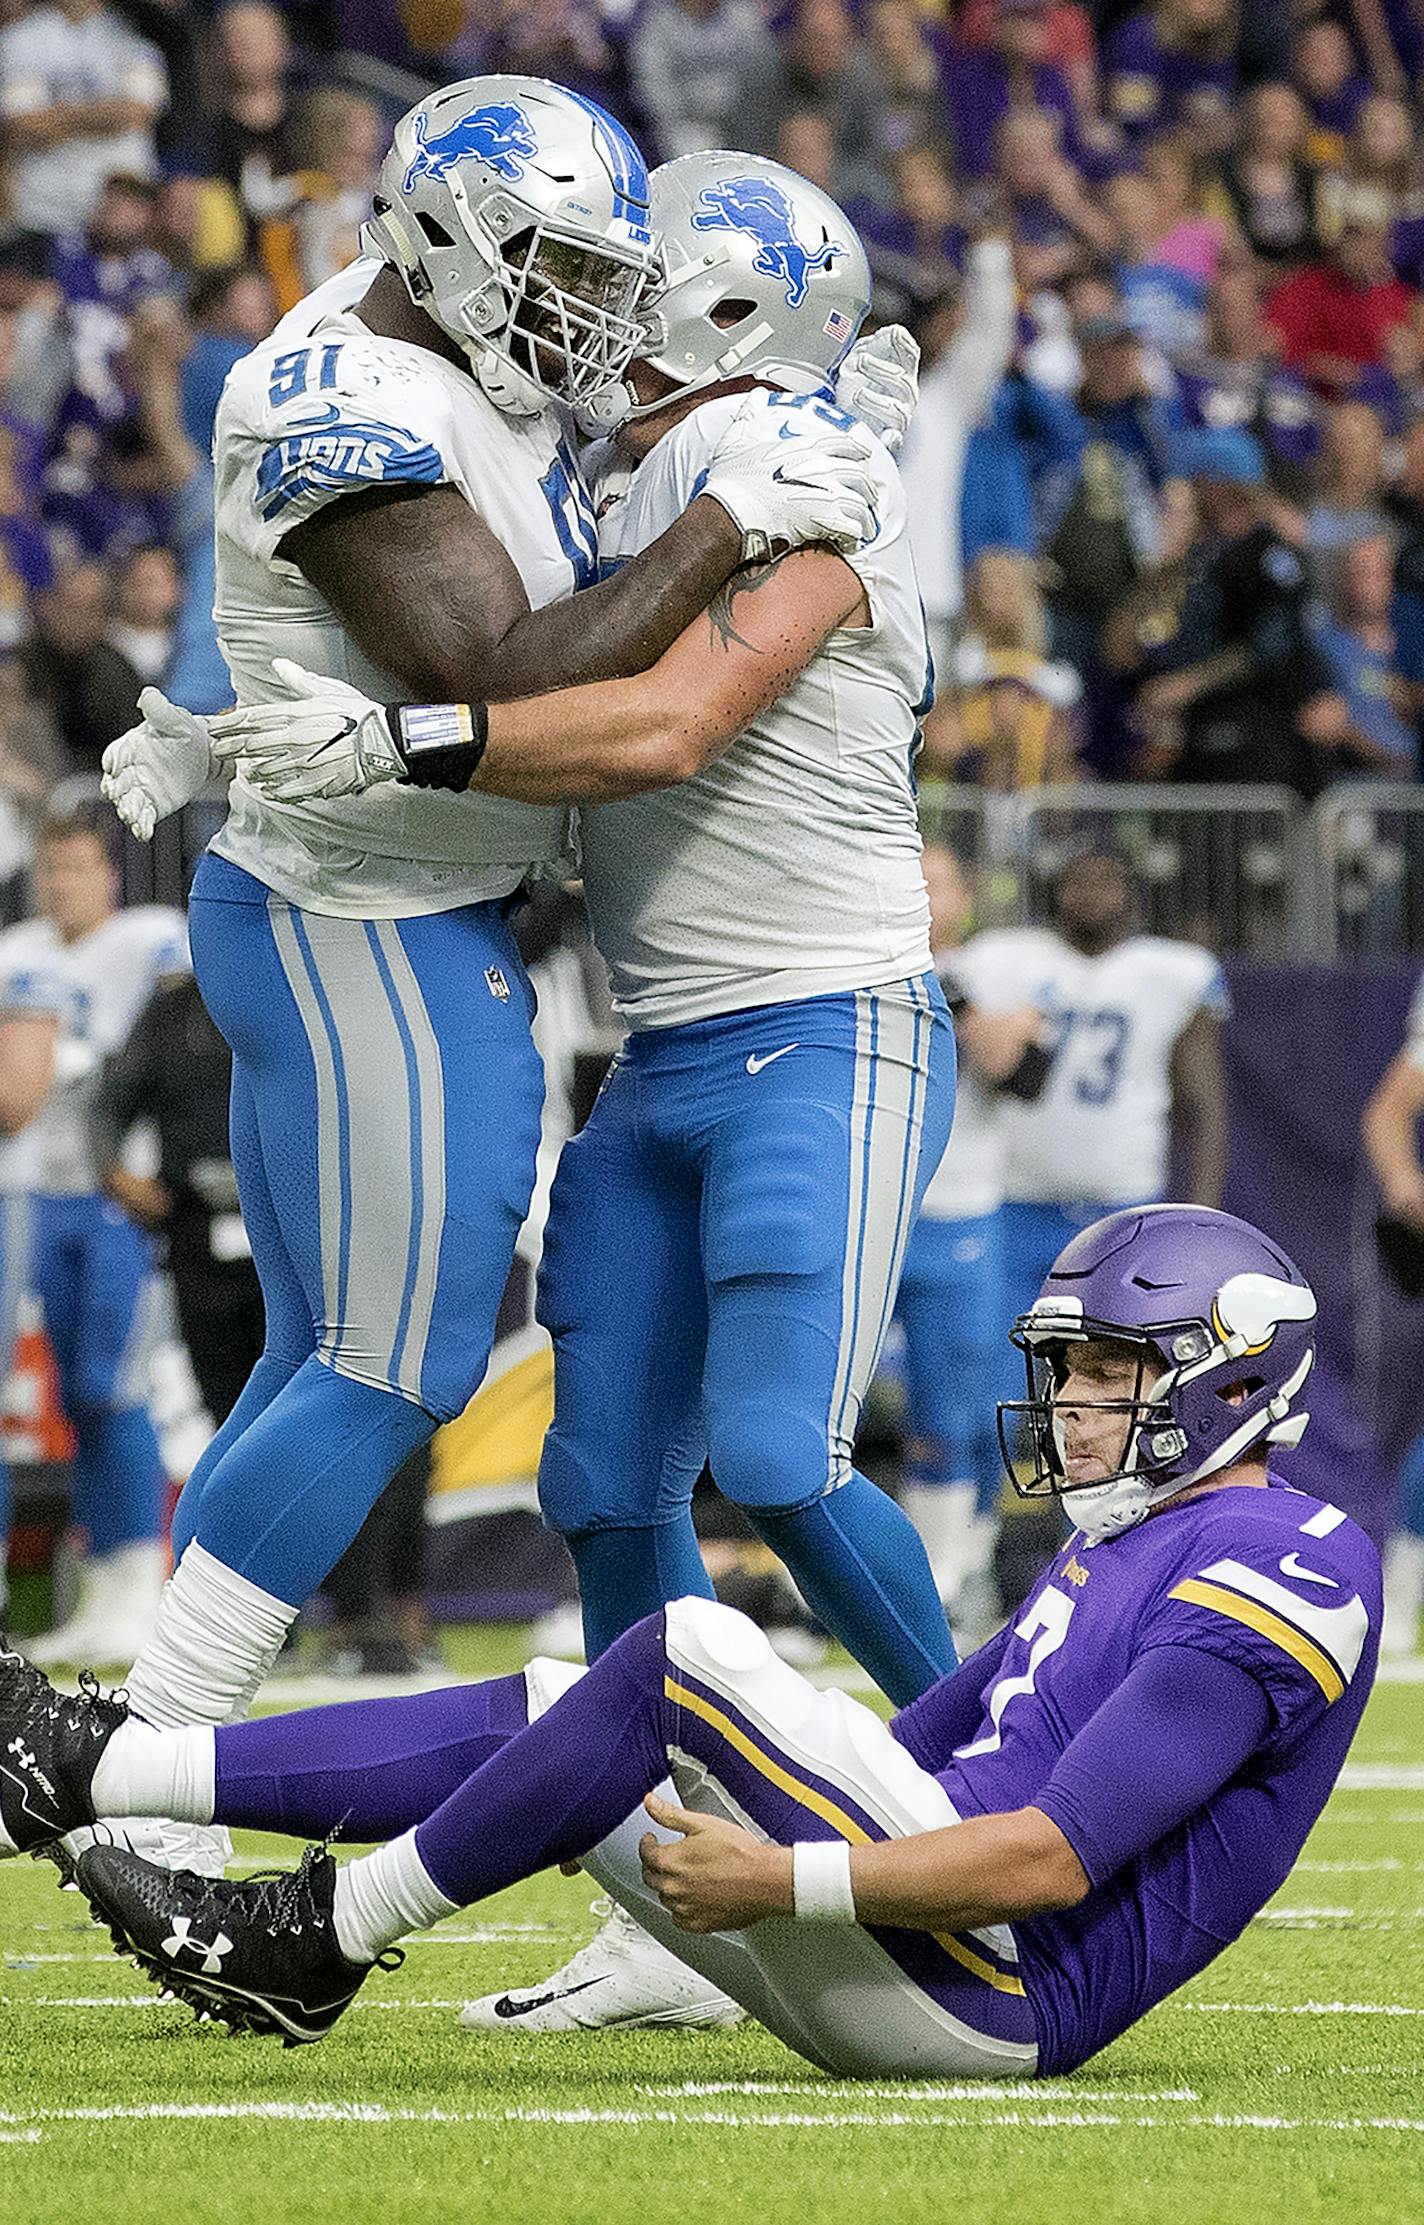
<point>1213,1307</point>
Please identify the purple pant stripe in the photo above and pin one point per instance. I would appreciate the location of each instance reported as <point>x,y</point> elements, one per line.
<point>707,1743</point>
<point>1003,2016</point>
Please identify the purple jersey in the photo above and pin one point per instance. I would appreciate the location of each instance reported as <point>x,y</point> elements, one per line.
<point>1268,1581</point>
<point>978,89</point>
<point>1272,403</point>
<point>1152,84</point>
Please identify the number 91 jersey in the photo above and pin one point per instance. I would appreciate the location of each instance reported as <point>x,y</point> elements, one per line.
<point>326,409</point>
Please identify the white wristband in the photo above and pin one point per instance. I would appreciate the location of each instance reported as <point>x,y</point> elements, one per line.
<point>820,1882</point>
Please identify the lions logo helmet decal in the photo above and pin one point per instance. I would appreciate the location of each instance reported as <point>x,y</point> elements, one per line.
<point>499,135</point>
<point>760,208</point>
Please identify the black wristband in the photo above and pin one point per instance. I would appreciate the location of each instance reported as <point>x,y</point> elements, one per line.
<point>1028,1077</point>
<point>439,744</point>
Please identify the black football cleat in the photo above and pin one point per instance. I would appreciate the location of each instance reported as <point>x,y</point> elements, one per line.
<point>50,1744</point>
<point>259,1954</point>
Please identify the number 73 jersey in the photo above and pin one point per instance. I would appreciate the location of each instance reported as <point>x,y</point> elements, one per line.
<point>327,409</point>
<point>1268,1581</point>
<point>1099,1130</point>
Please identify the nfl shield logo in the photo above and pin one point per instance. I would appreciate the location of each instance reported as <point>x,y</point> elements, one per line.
<point>498,986</point>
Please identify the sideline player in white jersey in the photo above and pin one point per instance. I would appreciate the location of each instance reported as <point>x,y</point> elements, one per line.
<point>72,983</point>
<point>1135,1033</point>
<point>952,1305</point>
<point>726,1233</point>
<point>398,501</point>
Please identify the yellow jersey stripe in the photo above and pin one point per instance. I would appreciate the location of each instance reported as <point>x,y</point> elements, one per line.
<point>847,1827</point>
<point>1275,1627</point>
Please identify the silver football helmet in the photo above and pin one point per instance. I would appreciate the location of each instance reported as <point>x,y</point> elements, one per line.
<point>765,275</point>
<point>517,213</point>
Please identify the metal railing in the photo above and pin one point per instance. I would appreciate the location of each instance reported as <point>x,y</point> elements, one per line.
<point>1250,872</point>
<point>1228,866</point>
<point>1366,846</point>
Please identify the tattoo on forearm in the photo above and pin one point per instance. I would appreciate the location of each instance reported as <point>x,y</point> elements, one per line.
<point>723,605</point>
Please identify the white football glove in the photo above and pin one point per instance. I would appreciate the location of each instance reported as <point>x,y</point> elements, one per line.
<point>323,739</point>
<point>879,382</point>
<point>74,1061</point>
<point>786,483</point>
<point>156,768</point>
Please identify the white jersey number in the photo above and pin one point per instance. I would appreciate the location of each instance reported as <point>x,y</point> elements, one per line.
<point>1100,1040</point>
<point>1046,1625</point>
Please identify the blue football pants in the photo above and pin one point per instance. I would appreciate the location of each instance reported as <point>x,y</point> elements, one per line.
<point>958,1361</point>
<point>385,1118</point>
<point>92,1272</point>
<point>720,1261</point>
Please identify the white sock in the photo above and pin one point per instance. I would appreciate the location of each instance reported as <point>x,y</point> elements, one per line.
<point>943,1513</point>
<point>217,1637</point>
<point>148,1772</point>
<point>382,1896</point>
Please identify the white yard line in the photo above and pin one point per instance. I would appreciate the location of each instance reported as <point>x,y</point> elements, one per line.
<point>488,1935</point>
<point>906,2090</point>
<point>1354,2070</point>
<point>1296,2008</point>
<point>1299,1915</point>
<point>1324,1923</point>
<point>152,2001</point>
<point>27,2125</point>
<point>20,1961</point>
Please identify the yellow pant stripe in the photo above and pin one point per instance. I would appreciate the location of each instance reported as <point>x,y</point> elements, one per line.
<point>1275,1627</point>
<point>846,1826</point>
<point>958,1952</point>
<point>817,1802</point>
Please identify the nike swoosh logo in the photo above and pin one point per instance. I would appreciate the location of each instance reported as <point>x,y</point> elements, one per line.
<point>506,2006</point>
<point>1291,1566</point>
<point>769,1058</point>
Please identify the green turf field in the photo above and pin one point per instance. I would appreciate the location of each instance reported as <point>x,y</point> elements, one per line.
<point>1287,2084</point>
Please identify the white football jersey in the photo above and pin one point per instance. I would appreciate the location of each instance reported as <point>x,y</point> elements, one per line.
<point>1414,1026</point>
<point>1099,1132</point>
<point>791,867</point>
<point>96,989</point>
<point>323,409</point>
<point>969,1180</point>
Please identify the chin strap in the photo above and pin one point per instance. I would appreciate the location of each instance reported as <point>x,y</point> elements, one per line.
<point>512,392</point>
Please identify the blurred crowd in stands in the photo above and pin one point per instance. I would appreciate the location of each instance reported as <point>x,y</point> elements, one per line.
<point>1166,265</point>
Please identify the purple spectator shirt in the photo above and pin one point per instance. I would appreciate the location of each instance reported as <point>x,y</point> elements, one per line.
<point>1151,84</point>
<point>1338,113</point>
<point>1271,1582</point>
<point>121,282</point>
<point>1274,404</point>
<point>976,88</point>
